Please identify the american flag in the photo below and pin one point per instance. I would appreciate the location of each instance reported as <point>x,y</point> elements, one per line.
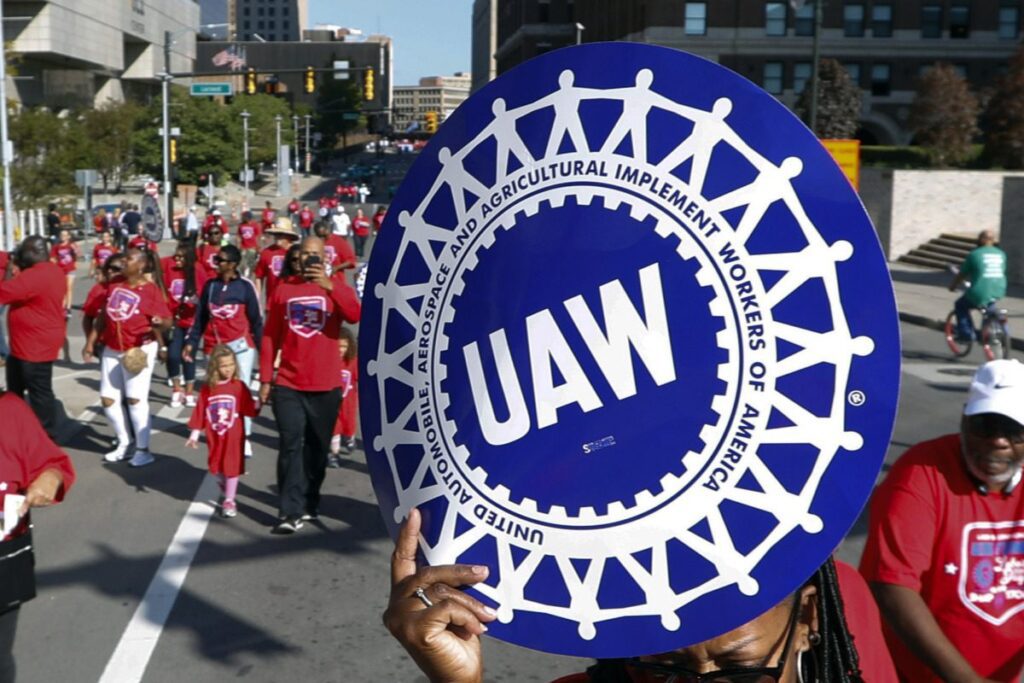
<point>233,57</point>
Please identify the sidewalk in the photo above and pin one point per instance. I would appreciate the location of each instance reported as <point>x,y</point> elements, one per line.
<point>923,298</point>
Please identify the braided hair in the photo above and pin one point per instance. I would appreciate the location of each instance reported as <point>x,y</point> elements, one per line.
<point>832,658</point>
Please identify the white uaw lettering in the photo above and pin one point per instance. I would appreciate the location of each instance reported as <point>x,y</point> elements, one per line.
<point>497,432</point>
<point>611,348</point>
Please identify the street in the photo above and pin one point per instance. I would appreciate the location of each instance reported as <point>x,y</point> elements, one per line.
<point>269,608</point>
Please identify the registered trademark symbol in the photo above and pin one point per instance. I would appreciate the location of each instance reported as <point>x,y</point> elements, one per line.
<point>856,398</point>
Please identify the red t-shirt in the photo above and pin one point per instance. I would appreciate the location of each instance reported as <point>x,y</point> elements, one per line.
<point>93,305</point>
<point>249,235</point>
<point>36,314</point>
<point>293,207</point>
<point>101,252</point>
<point>268,268</point>
<point>25,453</point>
<point>303,322</point>
<point>378,221</point>
<point>930,530</point>
<point>184,312</point>
<point>268,218</point>
<point>205,253</point>
<point>219,413</point>
<point>140,242</point>
<point>346,421</point>
<point>306,218</point>
<point>129,313</point>
<point>338,252</point>
<point>65,255</point>
<point>361,226</point>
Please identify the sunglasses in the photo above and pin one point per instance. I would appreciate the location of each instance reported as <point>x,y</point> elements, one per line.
<point>115,269</point>
<point>990,425</point>
<point>219,259</point>
<point>742,674</point>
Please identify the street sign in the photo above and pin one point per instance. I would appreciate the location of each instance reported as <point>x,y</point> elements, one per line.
<point>341,70</point>
<point>847,155</point>
<point>211,89</point>
<point>86,177</point>
<point>350,116</point>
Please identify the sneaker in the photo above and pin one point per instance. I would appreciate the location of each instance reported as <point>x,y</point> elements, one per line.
<point>177,399</point>
<point>248,448</point>
<point>170,382</point>
<point>350,443</point>
<point>310,515</point>
<point>287,526</point>
<point>119,453</point>
<point>334,461</point>
<point>228,509</point>
<point>190,400</point>
<point>141,458</point>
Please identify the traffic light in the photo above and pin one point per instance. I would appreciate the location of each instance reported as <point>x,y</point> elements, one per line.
<point>368,91</point>
<point>250,81</point>
<point>431,126</point>
<point>174,150</point>
<point>310,81</point>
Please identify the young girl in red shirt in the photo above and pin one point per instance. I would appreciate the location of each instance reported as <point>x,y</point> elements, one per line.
<point>345,425</point>
<point>65,255</point>
<point>223,401</point>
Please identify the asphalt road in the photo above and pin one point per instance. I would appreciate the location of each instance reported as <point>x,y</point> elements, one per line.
<point>261,607</point>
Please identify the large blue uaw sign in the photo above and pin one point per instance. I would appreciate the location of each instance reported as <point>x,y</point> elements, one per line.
<point>630,341</point>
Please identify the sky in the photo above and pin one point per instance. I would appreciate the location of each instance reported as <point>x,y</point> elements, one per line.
<point>431,37</point>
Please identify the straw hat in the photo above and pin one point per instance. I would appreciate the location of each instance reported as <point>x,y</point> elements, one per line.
<point>283,227</point>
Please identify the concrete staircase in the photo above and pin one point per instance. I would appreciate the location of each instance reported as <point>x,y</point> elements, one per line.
<point>946,250</point>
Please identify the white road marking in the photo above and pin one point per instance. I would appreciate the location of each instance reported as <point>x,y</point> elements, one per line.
<point>139,640</point>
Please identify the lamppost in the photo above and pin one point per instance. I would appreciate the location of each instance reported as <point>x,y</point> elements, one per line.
<point>245,153</point>
<point>277,168</point>
<point>579,32</point>
<point>815,61</point>
<point>165,132</point>
<point>308,155</point>
<point>5,144</point>
<point>295,137</point>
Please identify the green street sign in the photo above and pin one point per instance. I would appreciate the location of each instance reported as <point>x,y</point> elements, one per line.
<point>350,116</point>
<point>211,89</point>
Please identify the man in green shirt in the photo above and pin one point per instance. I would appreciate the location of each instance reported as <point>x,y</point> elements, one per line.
<point>985,269</point>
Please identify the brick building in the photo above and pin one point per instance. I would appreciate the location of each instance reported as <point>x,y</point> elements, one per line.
<point>885,45</point>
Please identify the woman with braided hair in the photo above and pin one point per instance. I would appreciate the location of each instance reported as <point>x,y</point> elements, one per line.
<point>828,631</point>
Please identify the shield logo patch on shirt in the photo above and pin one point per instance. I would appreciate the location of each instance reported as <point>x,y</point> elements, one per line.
<point>221,413</point>
<point>276,264</point>
<point>307,315</point>
<point>122,304</point>
<point>992,570</point>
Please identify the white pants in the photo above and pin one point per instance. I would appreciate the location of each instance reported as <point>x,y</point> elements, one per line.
<point>116,382</point>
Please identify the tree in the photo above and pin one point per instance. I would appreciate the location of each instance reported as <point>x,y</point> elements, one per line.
<point>109,130</point>
<point>1004,144</point>
<point>337,99</point>
<point>262,127</point>
<point>838,102</point>
<point>46,152</point>
<point>944,115</point>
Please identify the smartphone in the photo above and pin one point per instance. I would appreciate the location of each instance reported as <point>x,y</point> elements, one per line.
<point>310,261</point>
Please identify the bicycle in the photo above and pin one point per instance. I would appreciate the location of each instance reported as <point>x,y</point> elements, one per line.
<point>994,333</point>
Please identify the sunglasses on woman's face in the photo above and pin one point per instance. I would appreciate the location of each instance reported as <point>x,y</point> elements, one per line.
<point>670,673</point>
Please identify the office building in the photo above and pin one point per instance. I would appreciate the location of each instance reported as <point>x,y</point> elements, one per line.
<point>84,53</point>
<point>439,94</point>
<point>270,20</point>
<point>485,42</point>
<point>884,45</point>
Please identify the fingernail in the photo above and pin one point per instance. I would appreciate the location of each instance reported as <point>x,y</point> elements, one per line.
<point>490,611</point>
<point>479,570</point>
<point>484,628</point>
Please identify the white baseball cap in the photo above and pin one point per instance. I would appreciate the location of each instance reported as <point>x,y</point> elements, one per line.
<point>997,387</point>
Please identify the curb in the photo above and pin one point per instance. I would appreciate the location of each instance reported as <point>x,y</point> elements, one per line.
<point>924,321</point>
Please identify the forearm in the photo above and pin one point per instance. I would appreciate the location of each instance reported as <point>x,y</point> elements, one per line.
<point>908,615</point>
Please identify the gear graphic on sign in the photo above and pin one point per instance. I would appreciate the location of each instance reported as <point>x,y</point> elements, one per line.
<point>670,482</point>
<point>702,527</point>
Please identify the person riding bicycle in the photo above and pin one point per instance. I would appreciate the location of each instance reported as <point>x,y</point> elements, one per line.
<point>985,269</point>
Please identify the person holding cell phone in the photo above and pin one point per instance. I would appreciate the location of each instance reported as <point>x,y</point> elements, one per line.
<point>304,320</point>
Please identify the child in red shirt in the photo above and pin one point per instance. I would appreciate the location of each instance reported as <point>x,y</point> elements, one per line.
<point>65,255</point>
<point>223,401</point>
<point>101,252</point>
<point>345,425</point>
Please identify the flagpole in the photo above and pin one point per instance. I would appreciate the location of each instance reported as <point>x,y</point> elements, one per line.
<point>815,61</point>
